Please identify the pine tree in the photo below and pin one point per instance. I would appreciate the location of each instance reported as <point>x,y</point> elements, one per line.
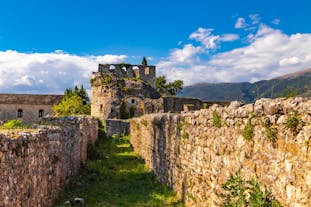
<point>144,61</point>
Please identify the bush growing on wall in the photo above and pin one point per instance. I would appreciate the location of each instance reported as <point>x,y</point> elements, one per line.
<point>248,131</point>
<point>216,119</point>
<point>240,193</point>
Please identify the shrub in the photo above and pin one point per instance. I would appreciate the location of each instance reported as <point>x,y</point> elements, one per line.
<point>216,119</point>
<point>144,122</point>
<point>292,123</point>
<point>13,124</point>
<point>204,106</point>
<point>184,136</point>
<point>239,192</point>
<point>248,131</point>
<point>179,125</point>
<point>92,81</point>
<point>107,79</point>
<point>271,133</point>
<point>126,89</point>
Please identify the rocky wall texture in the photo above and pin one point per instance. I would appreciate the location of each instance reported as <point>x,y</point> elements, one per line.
<point>35,167</point>
<point>196,152</point>
<point>117,127</point>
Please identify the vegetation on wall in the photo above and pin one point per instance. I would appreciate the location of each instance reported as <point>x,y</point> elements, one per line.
<point>292,123</point>
<point>74,102</point>
<point>171,88</point>
<point>248,131</point>
<point>216,119</point>
<point>240,192</point>
<point>107,79</point>
<point>271,132</point>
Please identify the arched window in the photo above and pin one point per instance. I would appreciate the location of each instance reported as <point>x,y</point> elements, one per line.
<point>41,113</point>
<point>20,113</point>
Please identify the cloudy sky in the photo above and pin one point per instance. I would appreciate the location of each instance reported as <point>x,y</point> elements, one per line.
<point>47,46</point>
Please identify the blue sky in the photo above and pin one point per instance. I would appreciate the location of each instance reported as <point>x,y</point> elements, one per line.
<point>46,46</point>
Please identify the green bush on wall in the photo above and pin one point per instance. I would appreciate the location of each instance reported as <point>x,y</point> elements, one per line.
<point>240,193</point>
<point>248,131</point>
<point>216,119</point>
<point>293,123</point>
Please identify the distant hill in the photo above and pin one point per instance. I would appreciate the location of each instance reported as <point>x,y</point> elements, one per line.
<point>298,83</point>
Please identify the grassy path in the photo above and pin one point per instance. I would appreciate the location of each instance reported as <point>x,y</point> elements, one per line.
<point>115,176</point>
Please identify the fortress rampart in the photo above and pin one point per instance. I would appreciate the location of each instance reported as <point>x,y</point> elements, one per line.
<point>195,157</point>
<point>35,167</point>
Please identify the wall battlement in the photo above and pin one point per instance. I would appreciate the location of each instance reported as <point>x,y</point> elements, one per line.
<point>144,73</point>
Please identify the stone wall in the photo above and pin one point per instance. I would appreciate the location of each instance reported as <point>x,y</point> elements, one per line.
<point>191,155</point>
<point>35,167</point>
<point>117,127</point>
<point>177,104</point>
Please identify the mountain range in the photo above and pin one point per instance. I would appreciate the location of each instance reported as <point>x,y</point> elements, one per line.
<point>292,84</point>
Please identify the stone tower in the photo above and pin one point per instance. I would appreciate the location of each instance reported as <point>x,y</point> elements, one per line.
<point>121,90</point>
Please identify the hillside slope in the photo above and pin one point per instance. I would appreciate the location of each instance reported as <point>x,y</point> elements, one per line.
<point>298,83</point>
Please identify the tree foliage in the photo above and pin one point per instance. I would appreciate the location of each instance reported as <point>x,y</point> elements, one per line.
<point>171,88</point>
<point>144,61</point>
<point>74,102</point>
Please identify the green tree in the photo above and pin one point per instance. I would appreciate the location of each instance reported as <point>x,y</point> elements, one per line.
<point>83,94</point>
<point>144,61</point>
<point>74,102</point>
<point>71,106</point>
<point>165,88</point>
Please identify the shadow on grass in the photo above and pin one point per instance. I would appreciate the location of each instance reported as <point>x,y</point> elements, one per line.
<point>115,176</point>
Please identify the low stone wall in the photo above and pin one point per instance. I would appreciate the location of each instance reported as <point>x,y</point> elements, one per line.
<point>117,127</point>
<point>35,167</point>
<point>195,158</point>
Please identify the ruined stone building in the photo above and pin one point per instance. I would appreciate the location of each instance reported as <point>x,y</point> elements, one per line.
<point>27,107</point>
<point>121,91</point>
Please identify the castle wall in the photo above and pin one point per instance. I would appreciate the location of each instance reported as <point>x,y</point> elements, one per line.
<point>177,104</point>
<point>35,167</point>
<point>191,155</point>
<point>117,127</point>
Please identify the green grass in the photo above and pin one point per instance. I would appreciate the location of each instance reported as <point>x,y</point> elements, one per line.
<point>115,176</point>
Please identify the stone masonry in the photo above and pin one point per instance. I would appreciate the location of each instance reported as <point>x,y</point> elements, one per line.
<point>194,157</point>
<point>35,167</point>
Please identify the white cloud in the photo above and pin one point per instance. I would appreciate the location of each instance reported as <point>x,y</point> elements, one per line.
<point>269,53</point>
<point>289,61</point>
<point>240,23</point>
<point>210,41</point>
<point>255,18</point>
<point>47,72</point>
<point>276,21</point>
